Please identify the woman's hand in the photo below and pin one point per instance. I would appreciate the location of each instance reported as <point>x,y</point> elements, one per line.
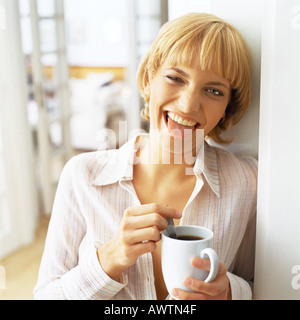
<point>218,289</point>
<point>138,233</point>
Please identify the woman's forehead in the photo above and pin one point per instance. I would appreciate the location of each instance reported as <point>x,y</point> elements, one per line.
<point>179,63</point>
<point>194,70</point>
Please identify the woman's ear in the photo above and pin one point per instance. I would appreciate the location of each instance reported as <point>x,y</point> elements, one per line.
<point>223,116</point>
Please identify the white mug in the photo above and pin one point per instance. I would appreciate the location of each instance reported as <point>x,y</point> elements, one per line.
<point>177,256</point>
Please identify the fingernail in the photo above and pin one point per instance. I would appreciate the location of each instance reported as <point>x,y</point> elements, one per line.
<point>175,292</point>
<point>188,282</point>
<point>178,214</point>
<point>197,262</point>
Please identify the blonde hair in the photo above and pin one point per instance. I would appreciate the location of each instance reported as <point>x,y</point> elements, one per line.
<point>220,48</point>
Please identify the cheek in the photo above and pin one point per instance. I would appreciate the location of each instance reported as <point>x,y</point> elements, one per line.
<point>155,112</point>
<point>159,97</point>
<point>214,115</point>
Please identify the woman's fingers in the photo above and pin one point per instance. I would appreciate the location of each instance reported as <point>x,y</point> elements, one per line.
<point>140,235</point>
<point>210,288</point>
<point>145,221</point>
<point>201,263</point>
<point>204,264</point>
<point>161,209</point>
<point>143,247</point>
<point>217,289</point>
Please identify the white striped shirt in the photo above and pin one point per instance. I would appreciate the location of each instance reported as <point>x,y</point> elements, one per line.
<point>94,190</point>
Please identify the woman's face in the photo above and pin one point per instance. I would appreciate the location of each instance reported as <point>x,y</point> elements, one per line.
<point>186,98</point>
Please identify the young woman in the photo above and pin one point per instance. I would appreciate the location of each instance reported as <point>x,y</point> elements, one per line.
<point>104,236</point>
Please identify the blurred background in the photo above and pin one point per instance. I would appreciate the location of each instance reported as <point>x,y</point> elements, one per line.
<point>68,71</point>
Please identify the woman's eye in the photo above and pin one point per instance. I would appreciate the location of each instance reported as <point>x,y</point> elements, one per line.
<point>215,92</point>
<point>175,79</point>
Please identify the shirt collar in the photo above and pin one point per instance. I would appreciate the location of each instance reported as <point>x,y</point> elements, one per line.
<point>207,164</point>
<point>120,166</point>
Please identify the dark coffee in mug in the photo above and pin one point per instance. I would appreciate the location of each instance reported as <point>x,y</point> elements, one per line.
<point>188,237</point>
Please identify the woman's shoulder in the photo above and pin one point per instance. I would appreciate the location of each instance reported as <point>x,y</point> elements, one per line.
<point>235,165</point>
<point>88,165</point>
<point>92,158</point>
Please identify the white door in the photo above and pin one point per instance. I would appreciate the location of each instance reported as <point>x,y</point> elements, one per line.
<point>8,236</point>
<point>18,193</point>
<point>8,241</point>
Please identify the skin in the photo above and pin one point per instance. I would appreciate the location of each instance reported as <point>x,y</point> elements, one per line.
<point>142,223</point>
<point>196,95</point>
<point>188,93</point>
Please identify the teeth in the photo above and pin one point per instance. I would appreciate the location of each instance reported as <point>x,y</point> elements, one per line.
<point>179,120</point>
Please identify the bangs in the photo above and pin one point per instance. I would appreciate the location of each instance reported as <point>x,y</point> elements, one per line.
<point>214,46</point>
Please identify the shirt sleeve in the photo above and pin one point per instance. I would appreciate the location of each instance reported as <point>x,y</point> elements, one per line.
<point>241,272</point>
<point>89,281</point>
<point>61,274</point>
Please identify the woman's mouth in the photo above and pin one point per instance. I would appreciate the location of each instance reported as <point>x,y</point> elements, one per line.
<point>179,126</point>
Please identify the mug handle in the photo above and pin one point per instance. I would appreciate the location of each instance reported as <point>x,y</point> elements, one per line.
<point>214,263</point>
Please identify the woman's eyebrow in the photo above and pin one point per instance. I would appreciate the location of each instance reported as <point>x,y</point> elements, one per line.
<point>179,71</point>
<point>217,83</point>
<point>210,83</point>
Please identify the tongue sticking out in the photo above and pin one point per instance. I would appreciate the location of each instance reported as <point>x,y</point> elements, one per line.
<point>178,129</point>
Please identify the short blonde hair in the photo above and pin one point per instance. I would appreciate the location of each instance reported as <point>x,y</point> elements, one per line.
<point>221,49</point>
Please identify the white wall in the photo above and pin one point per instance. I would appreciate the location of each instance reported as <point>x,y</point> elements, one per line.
<point>277,273</point>
<point>275,116</point>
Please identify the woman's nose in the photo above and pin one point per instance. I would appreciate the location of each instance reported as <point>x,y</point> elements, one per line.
<point>190,104</point>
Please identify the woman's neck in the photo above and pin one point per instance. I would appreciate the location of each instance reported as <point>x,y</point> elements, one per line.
<point>157,160</point>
